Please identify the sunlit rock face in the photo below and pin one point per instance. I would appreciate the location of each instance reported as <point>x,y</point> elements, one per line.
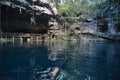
<point>25,16</point>
<point>111,28</point>
<point>108,17</point>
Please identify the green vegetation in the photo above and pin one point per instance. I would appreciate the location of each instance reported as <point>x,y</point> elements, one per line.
<point>71,31</point>
<point>77,8</point>
<point>102,11</point>
<point>98,10</point>
<point>85,8</point>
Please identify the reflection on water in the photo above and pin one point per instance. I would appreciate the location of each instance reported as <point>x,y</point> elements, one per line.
<point>60,61</point>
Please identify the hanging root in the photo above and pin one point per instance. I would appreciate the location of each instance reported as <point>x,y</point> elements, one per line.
<point>32,21</point>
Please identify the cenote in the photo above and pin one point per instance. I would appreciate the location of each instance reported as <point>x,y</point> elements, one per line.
<point>59,39</point>
<point>74,60</point>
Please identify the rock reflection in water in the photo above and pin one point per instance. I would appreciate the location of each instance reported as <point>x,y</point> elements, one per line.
<point>83,60</point>
<point>27,61</point>
<point>57,50</point>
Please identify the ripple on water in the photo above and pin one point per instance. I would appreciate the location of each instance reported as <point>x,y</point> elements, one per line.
<point>76,61</point>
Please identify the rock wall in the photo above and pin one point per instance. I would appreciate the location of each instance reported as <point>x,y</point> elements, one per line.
<point>109,13</point>
<point>26,16</point>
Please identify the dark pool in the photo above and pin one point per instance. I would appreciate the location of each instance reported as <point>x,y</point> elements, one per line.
<point>74,60</point>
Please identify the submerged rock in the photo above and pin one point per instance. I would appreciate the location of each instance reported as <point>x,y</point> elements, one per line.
<point>49,74</point>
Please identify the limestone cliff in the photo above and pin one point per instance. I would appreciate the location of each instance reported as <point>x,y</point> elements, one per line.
<point>26,15</point>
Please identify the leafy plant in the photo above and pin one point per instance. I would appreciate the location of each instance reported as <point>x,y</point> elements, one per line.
<point>71,31</point>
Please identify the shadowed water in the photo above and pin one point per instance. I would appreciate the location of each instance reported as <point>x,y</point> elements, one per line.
<point>75,60</point>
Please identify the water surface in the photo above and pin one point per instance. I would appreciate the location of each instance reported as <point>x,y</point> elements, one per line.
<point>75,60</point>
